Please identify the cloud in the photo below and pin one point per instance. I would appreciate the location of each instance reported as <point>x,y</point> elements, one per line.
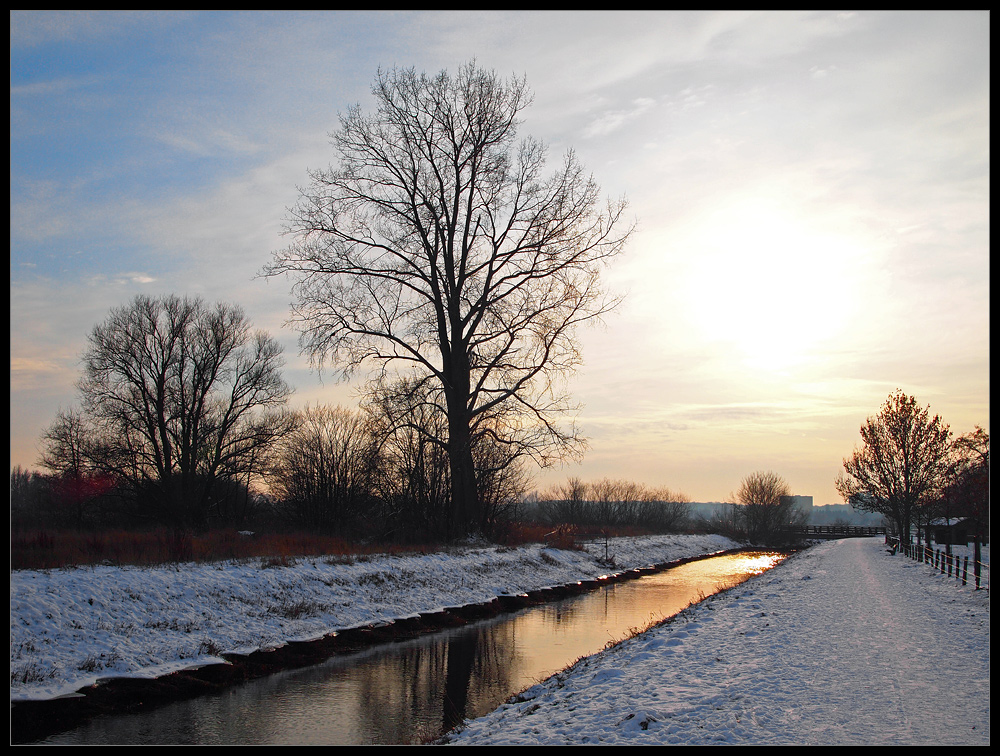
<point>612,120</point>
<point>210,142</point>
<point>819,72</point>
<point>139,278</point>
<point>166,165</point>
<point>26,371</point>
<point>51,87</point>
<point>36,28</point>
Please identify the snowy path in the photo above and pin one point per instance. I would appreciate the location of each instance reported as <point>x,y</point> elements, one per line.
<point>843,644</point>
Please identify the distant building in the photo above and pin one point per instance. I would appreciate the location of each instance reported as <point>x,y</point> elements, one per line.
<point>803,503</point>
<point>844,514</point>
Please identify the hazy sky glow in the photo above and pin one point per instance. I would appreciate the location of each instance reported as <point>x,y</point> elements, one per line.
<point>811,191</point>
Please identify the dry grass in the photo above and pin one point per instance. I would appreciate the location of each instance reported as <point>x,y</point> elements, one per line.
<point>52,549</point>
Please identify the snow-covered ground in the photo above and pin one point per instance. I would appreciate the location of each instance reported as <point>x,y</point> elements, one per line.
<point>69,627</point>
<point>841,644</point>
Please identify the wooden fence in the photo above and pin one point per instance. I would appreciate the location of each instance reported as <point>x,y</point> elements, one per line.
<point>838,531</point>
<point>951,565</point>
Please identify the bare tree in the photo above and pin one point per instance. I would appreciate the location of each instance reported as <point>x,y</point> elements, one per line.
<point>181,394</point>
<point>565,503</point>
<point>501,478</point>
<point>664,510</point>
<point>762,512</point>
<point>613,502</point>
<point>412,429</point>
<point>64,445</point>
<point>68,452</point>
<point>324,471</point>
<point>414,474</point>
<point>901,465</point>
<point>437,244</point>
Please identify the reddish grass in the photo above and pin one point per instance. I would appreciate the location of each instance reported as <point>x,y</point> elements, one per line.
<point>517,533</point>
<point>42,549</point>
<point>50,549</point>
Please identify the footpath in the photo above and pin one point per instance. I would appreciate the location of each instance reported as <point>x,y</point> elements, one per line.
<point>842,644</point>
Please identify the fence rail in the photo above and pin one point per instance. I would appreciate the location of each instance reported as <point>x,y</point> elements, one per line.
<point>839,531</point>
<point>951,565</point>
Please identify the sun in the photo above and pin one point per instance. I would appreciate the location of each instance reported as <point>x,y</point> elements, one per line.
<point>770,286</point>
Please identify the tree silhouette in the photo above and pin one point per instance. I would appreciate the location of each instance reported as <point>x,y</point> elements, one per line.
<point>901,465</point>
<point>966,492</point>
<point>324,470</point>
<point>437,251</point>
<point>762,512</point>
<point>180,394</point>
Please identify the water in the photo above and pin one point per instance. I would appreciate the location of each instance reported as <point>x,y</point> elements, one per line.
<point>417,690</point>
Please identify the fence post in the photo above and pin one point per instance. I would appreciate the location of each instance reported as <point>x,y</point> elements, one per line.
<point>965,571</point>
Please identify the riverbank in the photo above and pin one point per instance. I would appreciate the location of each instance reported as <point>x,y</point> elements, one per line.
<point>834,646</point>
<point>842,644</point>
<point>73,627</point>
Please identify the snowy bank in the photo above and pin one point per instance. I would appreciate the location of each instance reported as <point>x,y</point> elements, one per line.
<point>71,627</point>
<point>841,644</point>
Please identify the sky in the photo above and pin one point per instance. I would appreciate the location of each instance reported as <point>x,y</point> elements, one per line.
<point>810,192</point>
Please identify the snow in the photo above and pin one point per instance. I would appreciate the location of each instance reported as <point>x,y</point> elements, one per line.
<point>70,627</point>
<point>840,644</point>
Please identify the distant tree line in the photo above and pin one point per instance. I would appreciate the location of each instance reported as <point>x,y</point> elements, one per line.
<point>361,473</point>
<point>332,473</point>
<point>614,504</point>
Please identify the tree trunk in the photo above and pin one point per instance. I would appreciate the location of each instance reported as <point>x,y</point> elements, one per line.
<point>465,505</point>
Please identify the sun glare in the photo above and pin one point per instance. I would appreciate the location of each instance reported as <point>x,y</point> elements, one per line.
<point>770,286</point>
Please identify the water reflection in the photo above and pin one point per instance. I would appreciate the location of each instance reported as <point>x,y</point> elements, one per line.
<point>414,691</point>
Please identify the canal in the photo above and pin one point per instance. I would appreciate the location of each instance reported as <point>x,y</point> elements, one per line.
<point>415,691</point>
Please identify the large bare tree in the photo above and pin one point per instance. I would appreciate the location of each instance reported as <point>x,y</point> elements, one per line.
<point>180,394</point>
<point>902,464</point>
<point>438,247</point>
